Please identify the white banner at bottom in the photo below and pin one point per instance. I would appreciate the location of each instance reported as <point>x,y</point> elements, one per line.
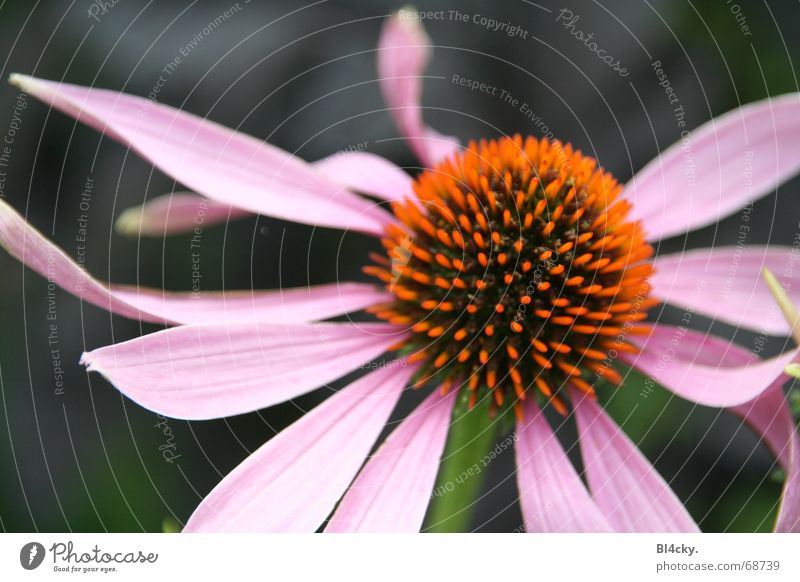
<point>390,557</point>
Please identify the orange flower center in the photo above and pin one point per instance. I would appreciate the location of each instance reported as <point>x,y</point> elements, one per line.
<point>517,271</point>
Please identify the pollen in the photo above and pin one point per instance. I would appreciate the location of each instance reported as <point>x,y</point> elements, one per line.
<point>518,272</point>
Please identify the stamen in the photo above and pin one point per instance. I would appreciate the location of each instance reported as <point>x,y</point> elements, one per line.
<point>515,247</point>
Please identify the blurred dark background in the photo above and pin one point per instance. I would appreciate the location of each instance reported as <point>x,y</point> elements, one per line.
<point>303,77</point>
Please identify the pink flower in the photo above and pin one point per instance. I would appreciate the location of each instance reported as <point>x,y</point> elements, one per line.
<point>461,297</point>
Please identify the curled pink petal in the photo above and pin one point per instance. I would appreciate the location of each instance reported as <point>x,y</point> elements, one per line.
<point>771,419</point>
<point>175,213</point>
<point>718,168</point>
<point>688,363</point>
<point>28,245</point>
<point>767,412</point>
<point>403,53</point>
<point>552,496</point>
<point>232,168</point>
<point>292,483</point>
<point>726,284</point>
<point>789,512</point>
<point>627,488</point>
<point>367,173</point>
<point>392,491</point>
<point>199,372</point>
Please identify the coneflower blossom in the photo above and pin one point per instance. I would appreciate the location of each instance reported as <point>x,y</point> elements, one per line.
<point>515,269</point>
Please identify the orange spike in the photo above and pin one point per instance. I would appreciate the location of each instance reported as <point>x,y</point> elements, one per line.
<point>568,368</point>
<point>539,345</point>
<point>498,397</point>
<point>441,282</point>
<point>436,331</point>
<point>543,387</point>
<point>528,220</point>
<point>541,361</point>
<point>583,386</point>
<point>443,261</point>
<point>559,406</point>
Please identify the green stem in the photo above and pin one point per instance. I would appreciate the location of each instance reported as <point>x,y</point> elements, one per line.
<point>461,474</point>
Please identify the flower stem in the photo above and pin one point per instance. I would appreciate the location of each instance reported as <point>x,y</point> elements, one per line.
<point>461,474</point>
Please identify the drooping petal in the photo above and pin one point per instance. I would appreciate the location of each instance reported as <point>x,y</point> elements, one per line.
<point>718,168</point>
<point>199,372</point>
<point>404,50</point>
<point>771,419</point>
<point>28,245</point>
<point>688,363</point>
<point>292,483</point>
<point>767,412</point>
<point>552,496</point>
<point>175,213</point>
<point>230,167</point>
<point>789,513</point>
<point>367,173</point>
<point>627,488</point>
<point>726,284</point>
<point>392,491</point>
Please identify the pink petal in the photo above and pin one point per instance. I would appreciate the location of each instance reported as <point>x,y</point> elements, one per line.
<point>552,496</point>
<point>720,167</point>
<point>404,50</point>
<point>392,491</point>
<point>185,211</point>
<point>293,305</point>
<point>212,371</point>
<point>770,417</point>
<point>287,305</point>
<point>292,483</point>
<point>628,490</point>
<point>766,412</point>
<point>725,283</point>
<point>789,512</point>
<point>368,174</point>
<point>688,363</point>
<point>175,213</point>
<point>229,167</point>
